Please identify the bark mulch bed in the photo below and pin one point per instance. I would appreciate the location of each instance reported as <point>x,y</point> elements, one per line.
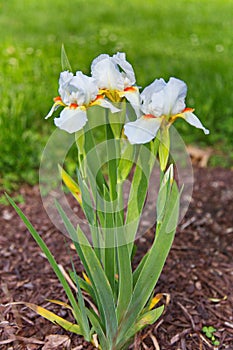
<point>198,275</point>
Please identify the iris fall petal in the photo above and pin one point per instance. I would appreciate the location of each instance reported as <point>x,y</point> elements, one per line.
<point>71,120</point>
<point>192,119</point>
<point>142,130</point>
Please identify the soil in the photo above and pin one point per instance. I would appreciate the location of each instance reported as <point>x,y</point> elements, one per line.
<point>197,277</point>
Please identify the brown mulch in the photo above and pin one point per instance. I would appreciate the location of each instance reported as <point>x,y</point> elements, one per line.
<point>198,275</point>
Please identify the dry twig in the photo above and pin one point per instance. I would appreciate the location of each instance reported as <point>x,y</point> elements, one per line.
<point>187,314</point>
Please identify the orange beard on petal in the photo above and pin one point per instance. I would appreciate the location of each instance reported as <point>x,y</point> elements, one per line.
<point>130,89</point>
<point>149,116</point>
<point>188,110</point>
<point>73,105</point>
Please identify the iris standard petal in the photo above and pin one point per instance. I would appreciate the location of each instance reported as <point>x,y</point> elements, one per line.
<point>157,85</point>
<point>65,78</point>
<point>149,99</point>
<point>120,59</point>
<point>174,96</point>
<point>106,74</point>
<point>142,130</point>
<point>193,120</point>
<point>87,89</point>
<point>64,85</point>
<point>99,58</point>
<point>156,106</point>
<point>71,119</point>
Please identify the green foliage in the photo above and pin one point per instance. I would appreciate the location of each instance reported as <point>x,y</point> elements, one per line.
<point>119,313</point>
<point>20,139</point>
<point>18,199</point>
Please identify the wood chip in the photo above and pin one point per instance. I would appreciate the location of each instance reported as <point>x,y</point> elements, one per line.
<point>56,341</point>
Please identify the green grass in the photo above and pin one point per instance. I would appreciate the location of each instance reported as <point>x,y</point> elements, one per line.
<point>191,40</point>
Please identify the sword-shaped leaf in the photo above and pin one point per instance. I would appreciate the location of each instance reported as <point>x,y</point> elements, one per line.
<point>101,285</point>
<point>68,326</point>
<point>71,185</point>
<point>52,262</point>
<point>154,263</point>
<point>65,64</point>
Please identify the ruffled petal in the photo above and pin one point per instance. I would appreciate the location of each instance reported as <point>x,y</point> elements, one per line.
<point>142,130</point>
<point>151,102</point>
<point>156,106</point>
<point>120,59</point>
<point>161,98</point>
<point>106,74</point>
<point>157,85</point>
<point>174,96</point>
<point>98,59</point>
<point>65,80</point>
<point>87,89</point>
<point>71,120</point>
<point>193,120</point>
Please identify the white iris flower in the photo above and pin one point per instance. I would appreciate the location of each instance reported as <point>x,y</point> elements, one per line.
<point>161,104</point>
<point>115,78</point>
<point>76,94</point>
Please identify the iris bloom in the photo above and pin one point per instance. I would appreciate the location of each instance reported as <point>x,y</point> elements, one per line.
<point>76,94</point>
<point>115,78</point>
<point>161,103</point>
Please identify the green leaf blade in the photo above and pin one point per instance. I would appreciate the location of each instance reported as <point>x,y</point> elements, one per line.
<point>154,263</point>
<point>52,317</point>
<point>125,280</point>
<point>50,258</point>
<point>101,284</point>
<point>65,64</point>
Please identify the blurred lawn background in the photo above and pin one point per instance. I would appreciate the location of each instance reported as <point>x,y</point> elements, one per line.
<point>190,40</point>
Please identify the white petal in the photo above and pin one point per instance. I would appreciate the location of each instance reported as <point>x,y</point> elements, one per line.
<point>71,120</point>
<point>142,130</point>
<point>133,97</point>
<point>156,107</point>
<point>148,106</point>
<point>52,110</point>
<point>106,73</point>
<point>120,60</point>
<point>106,104</point>
<point>64,81</point>
<point>99,59</point>
<point>65,78</point>
<point>174,98</point>
<point>157,85</point>
<point>194,121</point>
<point>67,86</point>
<point>87,89</point>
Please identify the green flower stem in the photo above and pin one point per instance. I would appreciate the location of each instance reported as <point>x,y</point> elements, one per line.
<point>112,156</point>
<point>110,222</point>
<point>144,165</point>
<point>93,165</point>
